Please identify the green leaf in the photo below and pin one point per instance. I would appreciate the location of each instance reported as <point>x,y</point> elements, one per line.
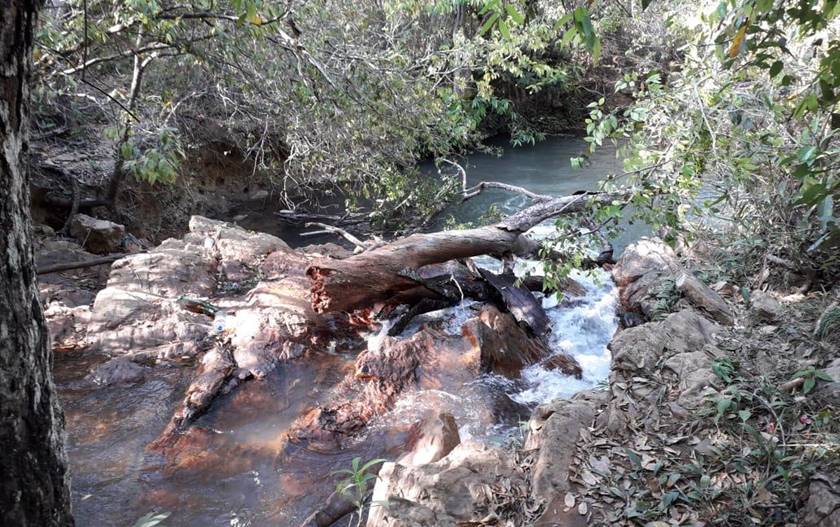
<point>504,29</point>
<point>745,415</point>
<point>809,384</point>
<point>514,14</point>
<point>776,68</point>
<point>822,375</point>
<point>488,23</point>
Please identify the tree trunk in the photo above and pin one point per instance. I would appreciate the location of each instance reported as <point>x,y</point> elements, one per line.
<point>34,489</point>
<point>384,273</point>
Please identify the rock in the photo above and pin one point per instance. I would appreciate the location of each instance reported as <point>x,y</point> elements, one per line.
<point>559,362</point>
<point>703,297</point>
<point>433,359</point>
<point>232,242</point>
<point>436,438</point>
<point>830,390</point>
<point>686,331</point>
<point>641,347</point>
<point>553,432</point>
<point>117,371</point>
<point>501,346</point>
<point>764,308</point>
<point>67,325</point>
<point>637,348</point>
<point>694,376</point>
<point>645,256</point>
<point>823,506</point>
<point>452,491</point>
<point>95,235</point>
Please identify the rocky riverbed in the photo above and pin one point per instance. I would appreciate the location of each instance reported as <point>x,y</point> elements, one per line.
<point>212,375</point>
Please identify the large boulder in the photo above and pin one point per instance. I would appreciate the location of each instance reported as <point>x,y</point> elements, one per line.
<point>95,235</point>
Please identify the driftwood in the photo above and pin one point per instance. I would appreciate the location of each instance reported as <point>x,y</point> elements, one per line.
<point>526,310</point>
<point>382,274</point>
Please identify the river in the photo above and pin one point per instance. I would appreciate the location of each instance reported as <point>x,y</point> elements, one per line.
<point>234,474</point>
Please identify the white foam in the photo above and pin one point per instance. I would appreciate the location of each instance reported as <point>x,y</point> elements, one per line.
<point>582,330</point>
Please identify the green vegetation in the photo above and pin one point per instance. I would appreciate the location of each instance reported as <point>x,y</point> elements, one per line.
<point>356,487</point>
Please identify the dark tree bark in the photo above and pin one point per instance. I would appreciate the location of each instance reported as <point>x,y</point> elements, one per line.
<point>34,488</point>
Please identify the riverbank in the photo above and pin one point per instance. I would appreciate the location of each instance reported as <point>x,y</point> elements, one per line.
<point>716,412</point>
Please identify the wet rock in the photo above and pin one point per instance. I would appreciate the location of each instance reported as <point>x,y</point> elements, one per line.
<point>119,370</point>
<point>560,362</point>
<point>452,491</point>
<point>431,359</point>
<point>553,432</point>
<point>437,436</point>
<point>645,256</point>
<point>823,506</point>
<point>703,297</point>
<point>764,308</point>
<point>95,235</point>
<point>501,346</point>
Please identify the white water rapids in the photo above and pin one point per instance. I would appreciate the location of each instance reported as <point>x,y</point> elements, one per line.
<point>580,326</point>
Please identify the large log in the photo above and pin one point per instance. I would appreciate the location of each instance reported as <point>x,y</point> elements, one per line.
<point>384,273</point>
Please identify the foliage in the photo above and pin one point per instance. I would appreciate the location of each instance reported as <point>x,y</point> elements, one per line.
<point>740,135</point>
<point>355,486</point>
<point>317,94</point>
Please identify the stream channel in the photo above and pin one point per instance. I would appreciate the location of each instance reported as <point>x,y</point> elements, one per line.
<point>237,472</point>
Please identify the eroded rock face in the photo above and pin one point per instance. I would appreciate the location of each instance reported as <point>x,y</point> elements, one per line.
<point>452,491</point>
<point>95,235</point>
<point>138,311</point>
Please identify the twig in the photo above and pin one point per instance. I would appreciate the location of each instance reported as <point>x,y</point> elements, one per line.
<point>338,230</point>
<point>476,190</point>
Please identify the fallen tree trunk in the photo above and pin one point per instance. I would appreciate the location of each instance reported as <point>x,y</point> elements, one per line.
<point>383,273</point>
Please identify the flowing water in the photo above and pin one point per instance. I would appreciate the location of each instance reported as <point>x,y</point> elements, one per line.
<point>233,473</point>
